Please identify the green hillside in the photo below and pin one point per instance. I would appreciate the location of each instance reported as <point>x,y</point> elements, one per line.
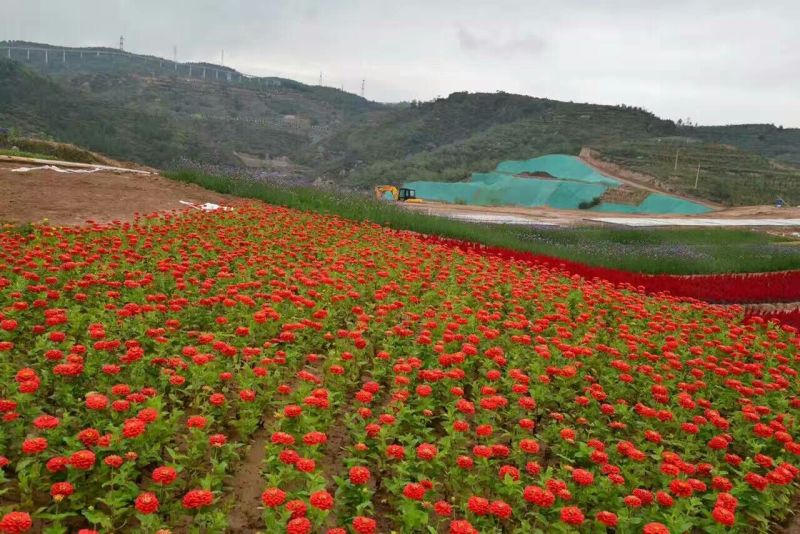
<point>155,111</point>
<point>449,138</point>
<point>726,175</point>
<point>766,140</point>
<point>207,119</point>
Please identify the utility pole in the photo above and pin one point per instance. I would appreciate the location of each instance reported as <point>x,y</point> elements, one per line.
<point>697,177</point>
<point>676,159</point>
<point>320,78</point>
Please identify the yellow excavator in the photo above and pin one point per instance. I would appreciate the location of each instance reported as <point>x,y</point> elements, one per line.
<point>398,195</point>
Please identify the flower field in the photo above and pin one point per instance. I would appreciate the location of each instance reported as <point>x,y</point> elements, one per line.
<point>390,383</point>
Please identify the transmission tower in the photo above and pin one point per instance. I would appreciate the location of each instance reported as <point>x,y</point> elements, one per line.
<point>121,43</point>
<point>362,87</point>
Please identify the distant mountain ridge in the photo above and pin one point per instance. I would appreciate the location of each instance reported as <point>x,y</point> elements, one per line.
<point>156,111</point>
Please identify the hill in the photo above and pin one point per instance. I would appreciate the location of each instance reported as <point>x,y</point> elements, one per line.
<point>210,110</point>
<point>156,111</point>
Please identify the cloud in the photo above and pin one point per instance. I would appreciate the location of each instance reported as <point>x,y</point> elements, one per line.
<point>498,46</point>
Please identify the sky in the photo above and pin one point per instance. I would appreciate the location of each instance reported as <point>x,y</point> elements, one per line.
<point>713,61</point>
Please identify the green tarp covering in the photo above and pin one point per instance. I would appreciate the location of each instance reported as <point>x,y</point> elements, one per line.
<point>656,203</point>
<point>572,183</point>
<point>557,166</point>
<point>492,189</point>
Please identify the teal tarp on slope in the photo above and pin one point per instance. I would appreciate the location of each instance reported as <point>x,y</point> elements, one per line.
<point>656,203</point>
<point>494,189</point>
<point>574,182</point>
<point>558,166</point>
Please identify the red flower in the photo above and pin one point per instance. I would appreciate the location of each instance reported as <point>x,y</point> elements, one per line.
<point>462,527</point>
<point>96,401</point>
<point>196,421</point>
<point>539,496</point>
<point>395,451</point>
<point>34,445</point>
<point>582,477</point>
<point>299,525</point>
<point>305,465</point>
<point>321,500</point>
<point>426,451</point>
<point>442,508</point>
<point>478,505</point>
<point>718,443</point>
<point>197,499</point>
<point>292,411</point>
<point>756,481</point>
<point>164,475</point>
<point>364,525</point>
<point>655,528</point>
<point>529,445</point>
<point>83,460</point>
<point>273,497</point>
<point>571,515</point>
<point>113,461</point>
<point>61,490</point>
<point>315,438</point>
<point>45,422</point>
<point>723,516</point>
<point>297,508</point>
<point>57,464</point>
<point>500,509</point>
<point>147,503</point>
<point>15,523</point>
<point>414,491</point>
<point>609,519</point>
<point>217,440</point>
<point>359,475</point>
<point>133,428</point>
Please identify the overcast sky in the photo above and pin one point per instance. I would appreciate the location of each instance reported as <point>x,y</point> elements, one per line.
<point>716,61</point>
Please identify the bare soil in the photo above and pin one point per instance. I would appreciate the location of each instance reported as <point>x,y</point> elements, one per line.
<point>247,485</point>
<point>547,215</point>
<point>69,199</point>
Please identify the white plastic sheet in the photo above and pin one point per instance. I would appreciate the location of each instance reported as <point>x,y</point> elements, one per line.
<point>55,168</point>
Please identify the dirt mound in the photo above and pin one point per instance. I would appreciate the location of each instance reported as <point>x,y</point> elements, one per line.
<point>102,196</point>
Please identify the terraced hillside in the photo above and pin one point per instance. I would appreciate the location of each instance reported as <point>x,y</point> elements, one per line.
<point>726,175</point>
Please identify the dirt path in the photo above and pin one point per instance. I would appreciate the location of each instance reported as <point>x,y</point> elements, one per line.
<point>104,196</point>
<point>247,485</point>
<point>552,216</point>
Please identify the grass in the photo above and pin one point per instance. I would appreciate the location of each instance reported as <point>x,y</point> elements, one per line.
<point>23,154</point>
<point>674,251</point>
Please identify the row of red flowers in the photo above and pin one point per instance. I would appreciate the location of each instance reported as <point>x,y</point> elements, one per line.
<point>734,288</point>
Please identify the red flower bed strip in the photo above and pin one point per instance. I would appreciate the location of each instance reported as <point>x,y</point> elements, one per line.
<point>782,286</point>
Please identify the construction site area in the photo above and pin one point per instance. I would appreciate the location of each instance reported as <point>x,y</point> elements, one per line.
<point>546,191</point>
